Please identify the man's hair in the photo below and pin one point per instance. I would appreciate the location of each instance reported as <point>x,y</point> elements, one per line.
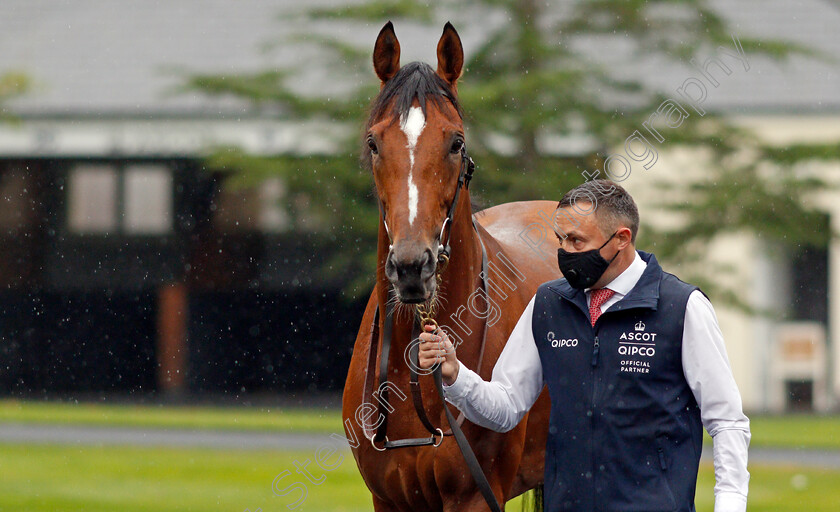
<point>613,206</point>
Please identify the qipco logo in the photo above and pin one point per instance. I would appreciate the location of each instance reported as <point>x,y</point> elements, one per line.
<point>562,342</point>
<point>633,350</point>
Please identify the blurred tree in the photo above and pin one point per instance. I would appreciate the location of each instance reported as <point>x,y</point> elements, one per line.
<point>12,84</point>
<point>542,105</point>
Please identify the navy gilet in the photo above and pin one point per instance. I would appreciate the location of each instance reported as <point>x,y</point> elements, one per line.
<point>625,431</point>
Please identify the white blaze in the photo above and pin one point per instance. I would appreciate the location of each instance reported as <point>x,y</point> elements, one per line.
<point>412,200</point>
<point>412,126</point>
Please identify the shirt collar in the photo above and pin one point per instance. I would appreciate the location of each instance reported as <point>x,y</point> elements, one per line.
<point>625,281</point>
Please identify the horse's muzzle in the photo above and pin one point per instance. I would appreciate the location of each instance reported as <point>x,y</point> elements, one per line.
<point>411,272</point>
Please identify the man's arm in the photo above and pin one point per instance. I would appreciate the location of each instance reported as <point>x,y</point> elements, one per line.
<point>709,375</point>
<point>515,384</point>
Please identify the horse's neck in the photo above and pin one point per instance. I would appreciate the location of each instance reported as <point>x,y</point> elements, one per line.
<point>460,284</point>
<point>462,275</point>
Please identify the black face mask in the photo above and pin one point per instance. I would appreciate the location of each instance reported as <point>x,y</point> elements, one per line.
<point>583,269</point>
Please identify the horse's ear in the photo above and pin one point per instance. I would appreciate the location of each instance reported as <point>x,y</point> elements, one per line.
<point>386,53</point>
<point>450,55</point>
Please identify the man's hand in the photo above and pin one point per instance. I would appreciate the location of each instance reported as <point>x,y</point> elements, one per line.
<point>435,347</point>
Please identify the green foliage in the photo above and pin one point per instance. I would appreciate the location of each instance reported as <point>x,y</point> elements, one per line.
<point>793,154</point>
<point>530,78</point>
<point>12,84</point>
<point>746,187</point>
<point>773,209</point>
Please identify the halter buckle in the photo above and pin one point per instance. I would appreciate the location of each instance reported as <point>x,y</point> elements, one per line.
<point>441,436</point>
<point>372,443</point>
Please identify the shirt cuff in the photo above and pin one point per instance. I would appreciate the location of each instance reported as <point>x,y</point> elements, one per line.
<point>462,385</point>
<point>730,502</point>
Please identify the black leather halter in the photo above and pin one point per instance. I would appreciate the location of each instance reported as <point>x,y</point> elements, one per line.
<point>464,177</point>
<point>380,433</point>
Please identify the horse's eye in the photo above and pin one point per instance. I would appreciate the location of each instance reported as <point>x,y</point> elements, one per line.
<point>372,145</point>
<point>457,146</point>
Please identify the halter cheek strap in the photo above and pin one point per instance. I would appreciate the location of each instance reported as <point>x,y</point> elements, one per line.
<point>464,177</point>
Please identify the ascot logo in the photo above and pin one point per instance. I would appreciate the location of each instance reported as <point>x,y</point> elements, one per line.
<point>637,342</point>
<point>638,334</point>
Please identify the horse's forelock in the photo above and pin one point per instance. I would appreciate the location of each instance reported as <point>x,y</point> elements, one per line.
<point>416,80</point>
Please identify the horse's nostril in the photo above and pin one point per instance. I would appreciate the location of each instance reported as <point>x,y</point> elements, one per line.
<point>390,267</point>
<point>428,264</point>
<point>409,266</point>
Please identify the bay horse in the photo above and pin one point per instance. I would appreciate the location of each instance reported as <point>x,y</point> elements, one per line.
<point>415,148</point>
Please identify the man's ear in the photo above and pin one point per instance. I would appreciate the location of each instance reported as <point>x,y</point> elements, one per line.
<point>624,236</point>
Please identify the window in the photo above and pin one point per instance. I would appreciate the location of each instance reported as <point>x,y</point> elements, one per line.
<point>135,200</point>
<point>273,218</point>
<point>148,200</point>
<point>92,199</point>
<point>799,395</point>
<point>254,208</point>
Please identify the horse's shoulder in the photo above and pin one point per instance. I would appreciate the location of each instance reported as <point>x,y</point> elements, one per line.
<point>524,234</point>
<point>507,221</point>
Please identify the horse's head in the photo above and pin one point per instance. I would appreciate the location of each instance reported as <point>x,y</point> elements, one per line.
<point>413,145</point>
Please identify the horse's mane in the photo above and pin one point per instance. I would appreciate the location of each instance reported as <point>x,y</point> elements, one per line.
<point>416,80</point>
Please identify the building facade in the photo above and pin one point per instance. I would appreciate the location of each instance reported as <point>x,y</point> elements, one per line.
<point>128,266</point>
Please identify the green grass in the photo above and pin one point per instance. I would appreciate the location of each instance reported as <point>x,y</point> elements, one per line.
<point>97,479</point>
<point>788,489</point>
<point>133,479</point>
<point>41,478</point>
<point>172,416</point>
<point>799,431</point>
<point>796,431</point>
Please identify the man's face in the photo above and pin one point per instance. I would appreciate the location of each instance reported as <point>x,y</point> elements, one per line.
<point>582,231</point>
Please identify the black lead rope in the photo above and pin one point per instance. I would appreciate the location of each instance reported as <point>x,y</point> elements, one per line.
<point>463,444</point>
<point>454,426</point>
<point>466,450</point>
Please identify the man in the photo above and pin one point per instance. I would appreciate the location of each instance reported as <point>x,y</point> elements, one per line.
<point>635,366</point>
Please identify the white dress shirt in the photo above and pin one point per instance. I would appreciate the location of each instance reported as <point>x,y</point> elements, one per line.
<point>517,380</point>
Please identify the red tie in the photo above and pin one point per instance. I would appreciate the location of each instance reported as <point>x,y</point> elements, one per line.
<point>597,299</point>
